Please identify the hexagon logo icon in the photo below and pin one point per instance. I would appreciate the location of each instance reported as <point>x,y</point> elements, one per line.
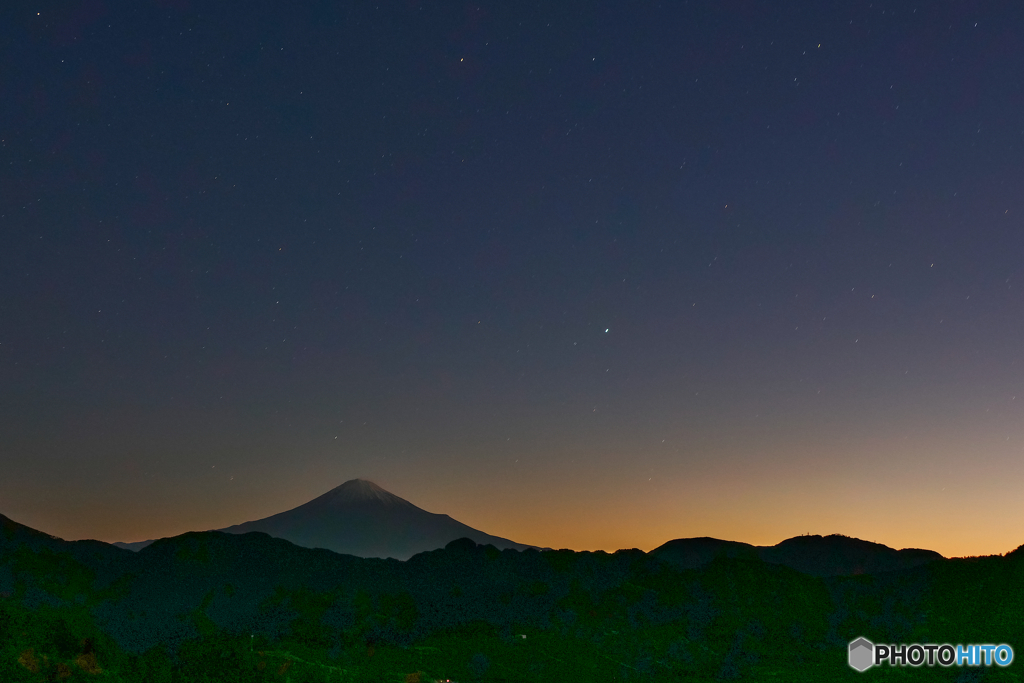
<point>862,654</point>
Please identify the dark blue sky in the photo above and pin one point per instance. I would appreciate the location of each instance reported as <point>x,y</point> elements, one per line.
<point>591,275</point>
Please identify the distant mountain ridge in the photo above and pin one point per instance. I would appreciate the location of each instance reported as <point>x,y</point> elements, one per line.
<point>216,588</point>
<point>360,518</point>
<point>832,555</point>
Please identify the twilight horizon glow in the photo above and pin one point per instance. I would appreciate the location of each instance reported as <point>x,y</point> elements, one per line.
<point>585,276</point>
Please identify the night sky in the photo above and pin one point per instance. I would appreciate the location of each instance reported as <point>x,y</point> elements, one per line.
<point>582,275</point>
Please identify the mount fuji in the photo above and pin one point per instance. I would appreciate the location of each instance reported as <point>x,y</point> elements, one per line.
<point>362,519</point>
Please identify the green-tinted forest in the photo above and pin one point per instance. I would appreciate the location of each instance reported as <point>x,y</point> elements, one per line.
<point>215,607</point>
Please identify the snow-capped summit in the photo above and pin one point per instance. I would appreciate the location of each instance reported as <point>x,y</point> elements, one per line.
<point>356,491</point>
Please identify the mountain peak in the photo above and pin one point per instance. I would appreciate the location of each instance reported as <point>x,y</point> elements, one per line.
<point>356,491</point>
<point>360,518</point>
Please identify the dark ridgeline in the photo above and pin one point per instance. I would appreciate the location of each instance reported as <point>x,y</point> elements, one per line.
<point>362,519</point>
<point>704,621</point>
<point>833,555</point>
<point>15,537</point>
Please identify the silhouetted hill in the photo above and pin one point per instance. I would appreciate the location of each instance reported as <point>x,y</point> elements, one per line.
<point>362,519</point>
<point>833,555</point>
<point>837,555</point>
<point>224,593</point>
<point>18,536</point>
<point>690,553</point>
<point>236,582</point>
<point>1016,553</point>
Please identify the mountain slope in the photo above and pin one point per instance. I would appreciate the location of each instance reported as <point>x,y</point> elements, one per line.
<point>362,519</point>
<point>690,553</point>
<point>833,555</point>
<point>24,541</point>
